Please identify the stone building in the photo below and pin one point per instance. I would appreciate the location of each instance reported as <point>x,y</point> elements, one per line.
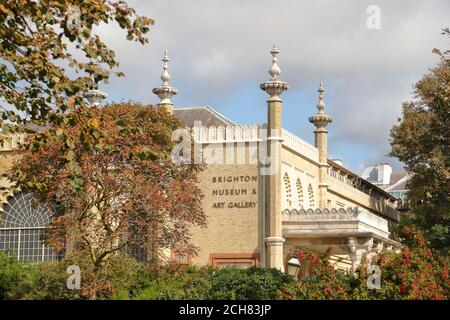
<point>267,191</point>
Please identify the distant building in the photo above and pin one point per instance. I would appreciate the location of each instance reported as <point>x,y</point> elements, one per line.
<point>382,176</point>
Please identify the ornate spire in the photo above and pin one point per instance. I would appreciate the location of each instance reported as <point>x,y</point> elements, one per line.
<point>321,104</point>
<point>165,92</point>
<point>274,87</point>
<point>95,97</point>
<point>321,119</point>
<point>274,70</point>
<point>165,77</point>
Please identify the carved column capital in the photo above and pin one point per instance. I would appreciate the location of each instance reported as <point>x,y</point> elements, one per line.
<point>358,249</point>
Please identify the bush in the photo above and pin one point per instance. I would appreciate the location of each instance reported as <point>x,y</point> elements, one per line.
<point>15,278</point>
<point>417,272</point>
<point>50,283</point>
<point>117,277</point>
<point>161,290</point>
<point>172,282</point>
<point>237,284</point>
<point>325,283</point>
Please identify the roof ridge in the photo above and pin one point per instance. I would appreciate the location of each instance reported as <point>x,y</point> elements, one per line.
<point>221,115</point>
<point>190,108</point>
<point>398,182</point>
<point>211,110</point>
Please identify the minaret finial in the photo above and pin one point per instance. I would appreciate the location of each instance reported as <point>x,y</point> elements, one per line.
<point>320,120</point>
<point>165,92</point>
<point>321,104</point>
<point>274,87</point>
<point>274,70</point>
<point>165,77</point>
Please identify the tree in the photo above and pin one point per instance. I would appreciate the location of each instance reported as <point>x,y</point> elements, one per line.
<point>123,191</point>
<point>421,141</point>
<point>49,53</point>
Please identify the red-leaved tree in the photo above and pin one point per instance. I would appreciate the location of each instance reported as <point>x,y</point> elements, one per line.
<point>123,191</point>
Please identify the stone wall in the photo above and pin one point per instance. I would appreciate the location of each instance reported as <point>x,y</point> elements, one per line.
<point>233,205</point>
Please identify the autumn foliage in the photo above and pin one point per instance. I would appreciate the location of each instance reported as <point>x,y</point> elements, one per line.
<point>118,190</point>
<point>417,272</point>
<point>323,283</point>
<point>50,52</point>
<point>421,140</point>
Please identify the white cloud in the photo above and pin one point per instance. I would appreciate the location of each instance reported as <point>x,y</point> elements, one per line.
<point>219,47</point>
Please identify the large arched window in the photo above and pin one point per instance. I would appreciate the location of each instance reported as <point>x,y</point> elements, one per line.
<point>287,189</point>
<point>23,219</point>
<point>298,184</point>
<point>312,203</point>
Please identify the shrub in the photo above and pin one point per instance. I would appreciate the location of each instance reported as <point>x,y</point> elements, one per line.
<point>118,275</point>
<point>172,282</point>
<point>237,284</point>
<point>50,283</point>
<point>325,283</point>
<point>417,272</point>
<point>15,278</point>
<point>161,290</point>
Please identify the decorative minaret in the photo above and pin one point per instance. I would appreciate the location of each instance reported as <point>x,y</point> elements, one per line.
<point>274,239</point>
<point>321,120</point>
<point>165,92</point>
<point>95,97</point>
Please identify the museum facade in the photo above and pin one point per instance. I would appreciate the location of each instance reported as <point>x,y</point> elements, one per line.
<point>267,192</point>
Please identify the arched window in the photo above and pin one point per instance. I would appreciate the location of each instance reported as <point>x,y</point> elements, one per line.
<point>23,219</point>
<point>299,193</point>
<point>287,189</point>
<point>311,196</point>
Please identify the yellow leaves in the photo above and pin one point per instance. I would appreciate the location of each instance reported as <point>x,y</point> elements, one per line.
<point>59,132</point>
<point>94,123</point>
<point>71,101</point>
<point>4,10</point>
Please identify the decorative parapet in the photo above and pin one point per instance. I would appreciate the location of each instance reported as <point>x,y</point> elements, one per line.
<point>251,133</point>
<point>333,222</point>
<point>349,214</point>
<point>304,148</point>
<point>221,134</point>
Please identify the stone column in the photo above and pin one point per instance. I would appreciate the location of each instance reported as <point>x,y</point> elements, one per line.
<point>165,92</point>
<point>274,239</point>
<point>167,106</point>
<point>320,121</point>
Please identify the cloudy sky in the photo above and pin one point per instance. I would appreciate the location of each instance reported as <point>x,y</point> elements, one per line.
<point>219,53</point>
